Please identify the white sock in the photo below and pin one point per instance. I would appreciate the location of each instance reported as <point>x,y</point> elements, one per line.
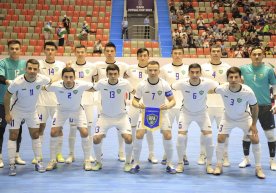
<point>85,143</point>
<point>60,142</point>
<point>256,148</point>
<point>225,151</point>
<point>41,138</point>
<point>186,142</point>
<point>72,139</point>
<point>53,147</point>
<point>180,146</point>
<point>128,150</point>
<point>169,150</point>
<point>150,141</point>
<point>121,142</point>
<point>98,151</point>
<point>202,145</point>
<point>219,152</point>
<point>209,147</point>
<point>12,151</point>
<point>137,150</point>
<point>36,145</point>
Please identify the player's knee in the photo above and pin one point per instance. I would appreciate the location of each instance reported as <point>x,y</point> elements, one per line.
<point>270,135</point>
<point>97,139</point>
<point>167,135</point>
<point>35,134</point>
<point>221,138</point>
<point>128,138</point>
<point>254,139</point>
<point>13,135</point>
<point>55,132</point>
<point>140,134</point>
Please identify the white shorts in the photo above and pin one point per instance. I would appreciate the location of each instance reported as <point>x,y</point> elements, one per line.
<point>174,113</point>
<point>121,122</point>
<point>201,118</point>
<point>216,113</point>
<point>76,118</point>
<point>165,122</point>
<point>44,112</point>
<point>89,112</point>
<point>31,119</point>
<point>133,115</point>
<point>226,125</point>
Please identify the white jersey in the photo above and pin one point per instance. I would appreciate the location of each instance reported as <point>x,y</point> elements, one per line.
<point>52,70</point>
<point>171,74</point>
<point>69,99</point>
<point>85,72</point>
<point>195,96</point>
<point>26,93</point>
<point>153,95</point>
<point>113,96</point>
<point>101,68</point>
<point>237,103</point>
<point>217,73</point>
<point>136,74</point>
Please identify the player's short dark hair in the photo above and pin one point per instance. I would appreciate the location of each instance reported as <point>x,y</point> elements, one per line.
<point>194,65</point>
<point>153,62</point>
<point>141,50</point>
<point>233,70</point>
<point>110,44</point>
<point>32,61</point>
<point>215,46</point>
<point>112,67</point>
<point>256,48</point>
<point>50,43</point>
<point>178,48</point>
<point>80,46</point>
<point>14,42</point>
<point>67,69</point>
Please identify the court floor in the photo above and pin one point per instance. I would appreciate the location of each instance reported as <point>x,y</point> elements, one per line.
<point>151,178</point>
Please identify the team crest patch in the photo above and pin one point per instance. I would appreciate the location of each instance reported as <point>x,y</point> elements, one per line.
<point>183,72</point>
<point>37,87</point>
<point>118,91</point>
<point>87,71</point>
<point>151,119</point>
<point>159,92</point>
<point>239,100</point>
<point>261,75</point>
<point>75,91</point>
<point>201,92</point>
<point>56,68</point>
<point>220,71</point>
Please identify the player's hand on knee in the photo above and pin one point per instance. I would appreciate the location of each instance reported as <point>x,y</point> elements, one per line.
<point>254,130</point>
<point>273,109</point>
<point>163,107</point>
<point>8,118</point>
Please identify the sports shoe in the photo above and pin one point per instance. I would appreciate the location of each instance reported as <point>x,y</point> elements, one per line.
<point>259,173</point>
<point>245,163</point>
<point>1,163</point>
<point>70,159</point>
<point>135,169</point>
<point>51,165</point>
<point>209,169</point>
<point>185,160</point>
<point>201,159</point>
<point>60,158</point>
<point>97,166</point>
<point>87,166</point>
<point>34,161</point>
<point>170,170</point>
<point>19,161</point>
<point>127,167</point>
<point>226,162</point>
<point>180,168</point>
<point>91,159</point>
<point>12,171</point>
<point>121,157</point>
<point>218,170</point>
<point>272,164</point>
<point>164,161</point>
<point>39,167</point>
<point>152,159</point>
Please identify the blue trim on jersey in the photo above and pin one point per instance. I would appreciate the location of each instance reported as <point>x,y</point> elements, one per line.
<point>169,93</point>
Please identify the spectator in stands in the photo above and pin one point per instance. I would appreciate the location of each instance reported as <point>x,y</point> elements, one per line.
<point>98,48</point>
<point>261,20</point>
<point>215,7</point>
<point>66,23</point>
<point>47,30</point>
<point>255,40</point>
<point>85,30</point>
<point>225,19</point>
<point>266,29</point>
<point>124,28</point>
<point>200,23</point>
<point>231,53</point>
<point>172,9</point>
<point>61,31</point>
<point>241,41</point>
<point>174,18</point>
<point>235,11</point>
<point>185,41</point>
<point>190,8</point>
<point>239,52</point>
<point>187,22</point>
<point>147,27</point>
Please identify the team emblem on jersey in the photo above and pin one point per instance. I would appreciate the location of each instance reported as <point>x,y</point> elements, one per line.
<point>220,71</point>
<point>183,72</point>
<point>159,92</point>
<point>261,75</point>
<point>201,92</point>
<point>151,118</point>
<point>87,71</point>
<point>118,91</point>
<point>37,87</point>
<point>56,68</point>
<point>75,91</point>
<point>239,100</point>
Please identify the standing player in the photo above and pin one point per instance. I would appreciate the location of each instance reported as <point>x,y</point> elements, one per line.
<point>194,91</point>
<point>215,69</point>
<point>173,72</point>
<point>136,74</point>
<point>113,114</point>
<point>24,90</point>
<point>152,92</point>
<point>259,77</point>
<point>237,99</point>
<point>10,68</point>
<point>69,92</point>
<point>110,53</point>
<point>47,102</point>
<point>84,71</point>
